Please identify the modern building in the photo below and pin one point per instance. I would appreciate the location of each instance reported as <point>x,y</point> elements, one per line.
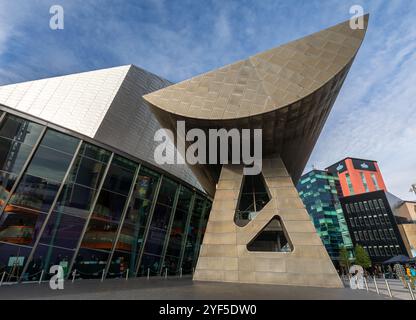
<point>358,176</point>
<point>405,214</point>
<point>287,92</point>
<point>372,225</point>
<point>81,188</point>
<point>319,191</point>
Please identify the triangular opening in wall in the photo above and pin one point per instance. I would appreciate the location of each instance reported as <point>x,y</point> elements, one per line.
<point>254,195</point>
<point>272,238</point>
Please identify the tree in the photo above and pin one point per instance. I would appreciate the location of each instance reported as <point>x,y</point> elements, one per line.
<point>344,259</point>
<point>361,257</point>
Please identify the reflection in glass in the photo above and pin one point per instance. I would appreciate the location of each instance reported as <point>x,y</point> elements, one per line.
<point>87,172</point>
<point>12,260</point>
<point>50,164</point>
<point>158,227</point>
<point>172,264</point>
<point>21,130</point>
<point>100,235</point>
<point>136,219</point>
<point>75,200</point>
<point>7,181</point>
<point>146,184</point>
<point>62,230</point>
<point>150,263</point>
<point>176,240</point>
<point>167,192</point>
<point>120,176</point>
<point>191,246</point>
<point>90,264</point>
<point>13,155</point>
<point>59,141</point>
<point>109,206</point>
<point>33,193</point>
<point>19,226</point>
<point>119,265</point>
<point>94,152</point>
<point>44,258</point>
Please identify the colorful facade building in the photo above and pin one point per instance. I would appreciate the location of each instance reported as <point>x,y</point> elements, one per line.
<point>319,190</point>
<point>358,176</point>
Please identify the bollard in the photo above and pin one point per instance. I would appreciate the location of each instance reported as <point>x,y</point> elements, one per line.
<point>411,291</point>
<point>127,274</point>
<point>180,272</point>
<point>74,273</point>
<point>41,276</point>
<point>375,284</point>
<point>193,271</point>
<point>102,277</point>
<point>166,273</point>
<point>388,288</point>
<point>2,278</point>
<point>366,284</point>
<point>148,273</point>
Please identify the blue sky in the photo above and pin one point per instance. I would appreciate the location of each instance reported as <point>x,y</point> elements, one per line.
<point>374,116</point>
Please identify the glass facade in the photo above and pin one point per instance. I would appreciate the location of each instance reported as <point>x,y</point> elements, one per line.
<point>318,191</point>
<point>66,201</point>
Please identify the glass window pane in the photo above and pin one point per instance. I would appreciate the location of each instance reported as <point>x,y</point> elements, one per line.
<point>184,199</point>
<point>50,164</point>
<point>44,258</point>
<point>151,263</point>
<point>154,241</point>
<point>132,232</point>
<point>176,234</point>
<point>19,226</point>
<point>91,263</point>
<point>191,246</point>
<point>100,235</point>
<point>62,230</point>
<point>7,181</point>
<point>172,263</point>
<point>161,217</point>
<point>13,155</point>
<point>75,200</point>
<point>20,130</point>
<point>146,184</point>
<point>167,192</point>
<point>87,172</point>
<point>34,193</point>
<point>131,241</point>
<point>120,263</point>
<point>109,206</point>
<point>93,152</point>
<point>119,178</point>
<point>12,260</point>
<point>60,141</point>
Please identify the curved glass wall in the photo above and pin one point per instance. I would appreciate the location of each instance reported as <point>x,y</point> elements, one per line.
<point>65,201</point>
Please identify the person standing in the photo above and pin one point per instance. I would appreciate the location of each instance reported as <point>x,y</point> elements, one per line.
<point>400,273</point>
<point>409,275</point>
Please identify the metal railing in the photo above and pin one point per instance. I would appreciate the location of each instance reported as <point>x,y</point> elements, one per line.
<point>394,288</point>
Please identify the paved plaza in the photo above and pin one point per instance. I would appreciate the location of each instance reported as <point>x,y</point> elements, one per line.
<point>177,289</point>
